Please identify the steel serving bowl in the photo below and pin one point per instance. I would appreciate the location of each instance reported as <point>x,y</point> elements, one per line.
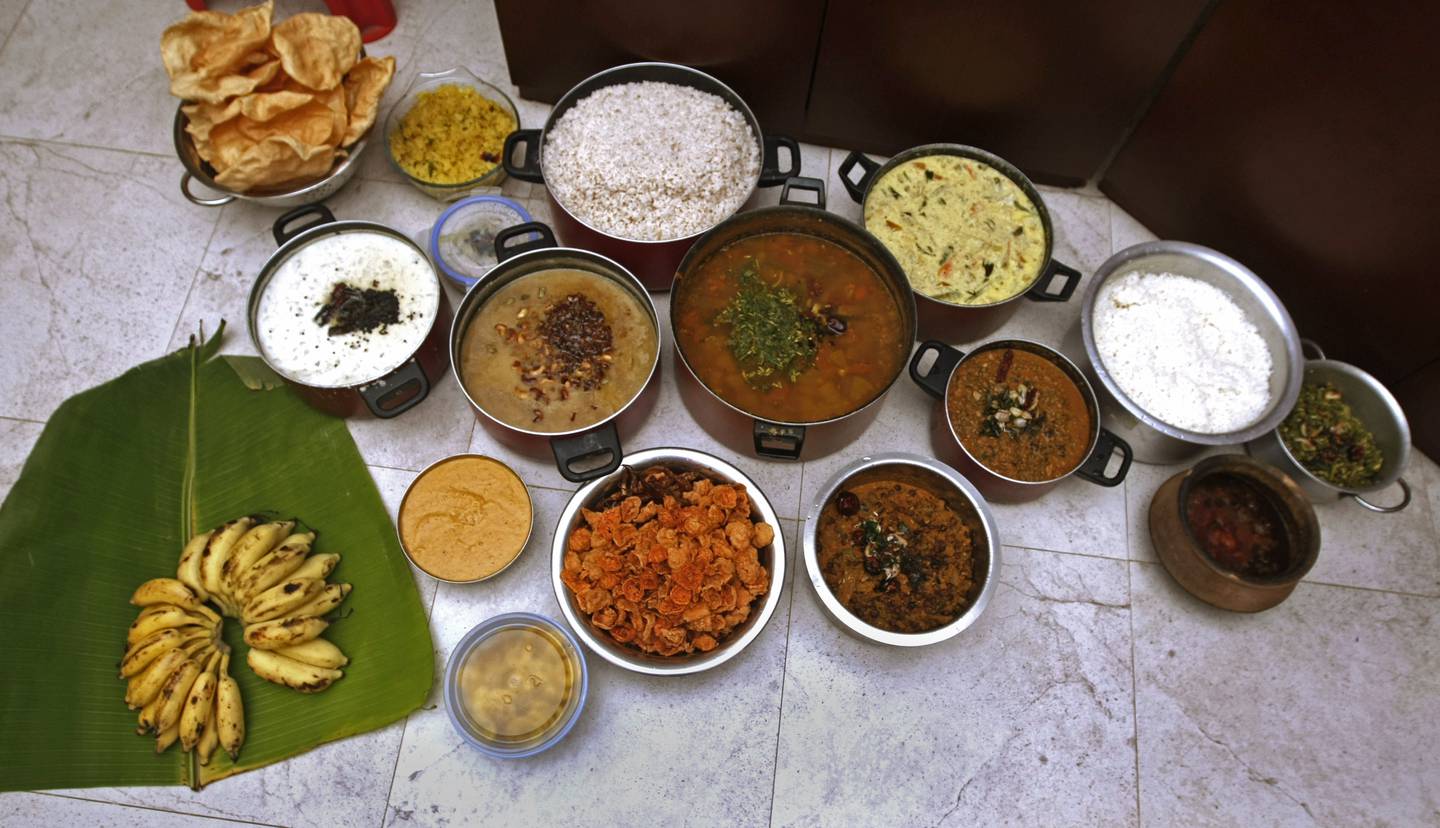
<point>290,196</point>
<point>772,557</point>
<point>454,707</point>
<point>957,492</point>
<point>1153,440</point>
<point>1376,407</point>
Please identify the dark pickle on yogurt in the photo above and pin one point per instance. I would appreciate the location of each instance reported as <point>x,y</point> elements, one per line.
<point>896,556</point>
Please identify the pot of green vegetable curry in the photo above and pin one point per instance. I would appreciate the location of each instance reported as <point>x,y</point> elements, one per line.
<point>791,323</point>
<point>1346,437</point>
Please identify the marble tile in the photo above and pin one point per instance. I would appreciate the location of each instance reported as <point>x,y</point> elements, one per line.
<point>440,425</point>
<point>104,86</point>
<point>1025,717</point>
<point>1321,710</point>
<point>1125,231</point>
<point>10,11</point>
<point>17,437</point>
<point>646,750</point>
<point>91,287</point>
<point>392,484</point>
<point>1430,480</point>
<point>47,809</point>
<point>1399,551</point>
<point>669,423</point>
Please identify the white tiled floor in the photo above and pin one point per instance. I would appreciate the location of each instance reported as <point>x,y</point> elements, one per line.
<point>1092,691</point>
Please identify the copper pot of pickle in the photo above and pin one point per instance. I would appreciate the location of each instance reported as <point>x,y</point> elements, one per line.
<point>377,345</point>
<point>1234,532</point>
<point>791,324</point>
<point>1017,417</point>
<point>560,347</point>
<point>1333,386</point>
<point>928,192</point>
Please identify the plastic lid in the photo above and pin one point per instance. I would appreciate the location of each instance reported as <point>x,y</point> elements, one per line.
<point>462,242</point>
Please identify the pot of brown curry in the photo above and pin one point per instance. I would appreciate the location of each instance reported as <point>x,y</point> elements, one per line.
<point>790,321</point>
<point>1017,418</point>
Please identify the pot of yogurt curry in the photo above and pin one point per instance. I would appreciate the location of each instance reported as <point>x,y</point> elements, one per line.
<point>970,230</point>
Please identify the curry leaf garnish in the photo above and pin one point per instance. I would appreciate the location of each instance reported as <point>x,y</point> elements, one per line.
<point>770,336</point>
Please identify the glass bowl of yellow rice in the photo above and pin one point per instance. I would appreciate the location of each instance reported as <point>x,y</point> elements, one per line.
<point>447,132</point>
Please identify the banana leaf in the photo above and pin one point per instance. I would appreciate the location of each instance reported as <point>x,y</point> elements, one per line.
<point>121,476</point>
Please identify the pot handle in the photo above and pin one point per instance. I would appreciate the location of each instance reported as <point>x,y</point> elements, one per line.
<point>598,443</point>
<point>1313,346</point>
<point>804,185</point>
<point>504,250</point>
<point>770,172</point>
<point>530,170</point>
<point>934,381</point>
<point>1385,510</point>
<point>857,189</point>
<point>1093,469</point>
<point>386,398</point>
<point>194,199</point>
<point>779,442</point>
<point>1043,289</point>
<point>284,233</point>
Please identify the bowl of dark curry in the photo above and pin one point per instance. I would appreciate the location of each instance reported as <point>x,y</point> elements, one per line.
<point>1017,418</point>
<point>901,549</point>
<point>1234,532</point>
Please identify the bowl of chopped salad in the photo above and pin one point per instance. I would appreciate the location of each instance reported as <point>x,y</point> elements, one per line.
<point>447,133</point>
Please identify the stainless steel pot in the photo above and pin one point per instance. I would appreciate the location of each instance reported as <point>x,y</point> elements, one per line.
<point>945,483</point>
<point>581,454</point>
<point>1153,440</point>
<point>197,170</point>
<point>1375,406</point>
<point>787,439</point>
<point>385,396</point>
<point>653,261</point>
<point>1100,450</point>
<point>772,557</point>
<point>949,321</point>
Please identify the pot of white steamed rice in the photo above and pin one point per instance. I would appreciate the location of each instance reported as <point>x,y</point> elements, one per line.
<point>1188,348</point>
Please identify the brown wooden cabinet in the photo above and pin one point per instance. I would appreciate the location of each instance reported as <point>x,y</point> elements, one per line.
<point>1300,139</point>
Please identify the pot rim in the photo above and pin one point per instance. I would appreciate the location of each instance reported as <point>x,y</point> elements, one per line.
<point>570,98</point>
<point>1066,366</point>
<point>838,612</point>
<point>1119,264</point>
<point>1011,172</point>
<point>1392,468</point>
<point>461,318</point>
<point>530,533</point>
<point>1271,478</point>
<point>283,253</point>
<point>824,216</point>
<point>645,663</point>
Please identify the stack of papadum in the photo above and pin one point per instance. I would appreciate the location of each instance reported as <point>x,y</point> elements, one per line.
<point>272,106</point>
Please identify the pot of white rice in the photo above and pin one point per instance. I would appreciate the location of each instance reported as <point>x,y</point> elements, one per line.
<point>1188,348</point>
<point>640,160</point>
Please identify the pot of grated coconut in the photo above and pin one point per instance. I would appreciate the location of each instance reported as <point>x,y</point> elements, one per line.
<point>1187,348</point>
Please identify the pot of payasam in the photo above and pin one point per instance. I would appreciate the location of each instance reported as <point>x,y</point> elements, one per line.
<point>558,351</point>
<point>971,232</point>
<point>791,323</point>
<point>351,314</point>
<point>465,518</point>
<point>1016,418</point>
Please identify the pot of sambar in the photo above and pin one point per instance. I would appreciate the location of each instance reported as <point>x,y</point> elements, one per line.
<point>794,319</point>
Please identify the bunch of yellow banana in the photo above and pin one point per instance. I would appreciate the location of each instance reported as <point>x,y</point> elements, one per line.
<point>177,667</point>
<point>178,672</point>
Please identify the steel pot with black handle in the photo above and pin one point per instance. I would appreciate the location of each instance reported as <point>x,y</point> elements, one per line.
<point>352,272</point>
<point>653,261</point>
<point>941,380</point>
<point>765,434</point>
<point>587,451</point>
<point>951,321</point>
